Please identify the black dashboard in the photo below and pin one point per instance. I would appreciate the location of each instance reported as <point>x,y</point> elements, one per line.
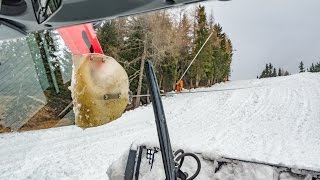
<point>14,25</point>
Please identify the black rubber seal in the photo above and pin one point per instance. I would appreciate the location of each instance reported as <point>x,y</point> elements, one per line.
<point>13,7</point>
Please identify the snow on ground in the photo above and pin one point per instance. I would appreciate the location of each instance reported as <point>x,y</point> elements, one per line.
<point>274,120</point>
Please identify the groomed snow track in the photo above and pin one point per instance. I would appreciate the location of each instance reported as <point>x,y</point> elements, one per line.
<point>273,120</point>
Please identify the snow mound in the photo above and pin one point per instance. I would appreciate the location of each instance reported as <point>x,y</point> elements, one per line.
<point>151,167</point>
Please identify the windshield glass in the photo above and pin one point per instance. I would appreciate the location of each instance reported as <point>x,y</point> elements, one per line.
<point>34,83</point>
<point>239,83</point>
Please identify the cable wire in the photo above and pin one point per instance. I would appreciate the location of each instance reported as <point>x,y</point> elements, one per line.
<point>196,56</point>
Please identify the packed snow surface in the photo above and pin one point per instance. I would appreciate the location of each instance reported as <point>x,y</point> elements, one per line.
<point>210,169</point>
<point>274,120</point>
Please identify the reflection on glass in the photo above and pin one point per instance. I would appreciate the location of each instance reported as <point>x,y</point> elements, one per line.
<point>33,92</point>
<point>45,8</point>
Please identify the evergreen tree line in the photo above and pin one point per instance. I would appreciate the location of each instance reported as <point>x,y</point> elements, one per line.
<point>313,68</point>
<point>170,40</point>
<point>271,71</point>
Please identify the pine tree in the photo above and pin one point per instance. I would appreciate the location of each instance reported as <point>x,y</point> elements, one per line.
<point>286,73</point>
<point>312,68</point>
<point>279,72</point>
<point>217,59</point>
<point>270,70</point>
<point>202,66</point>
<point>228,59</point>
<point>184,46</point>
<point>274,73</point>
<point>301,67</point>
<point>317,67</point>
<point>266,71</point>
<point>263,74</point>
<point>107,36</point>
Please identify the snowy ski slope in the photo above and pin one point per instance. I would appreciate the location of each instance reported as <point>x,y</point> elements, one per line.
<point>274,120</point>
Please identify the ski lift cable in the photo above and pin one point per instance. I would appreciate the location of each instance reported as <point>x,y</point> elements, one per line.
<point>195,56</point>
<point>193,92</point>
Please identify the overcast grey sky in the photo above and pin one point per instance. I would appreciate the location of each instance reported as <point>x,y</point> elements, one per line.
<point>282,32</point>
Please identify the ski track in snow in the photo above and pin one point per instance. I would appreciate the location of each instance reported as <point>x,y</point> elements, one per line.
<point>274,120</point>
